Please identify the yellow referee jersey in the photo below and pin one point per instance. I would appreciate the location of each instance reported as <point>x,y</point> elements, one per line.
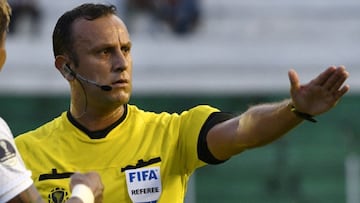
<point>146,157</point>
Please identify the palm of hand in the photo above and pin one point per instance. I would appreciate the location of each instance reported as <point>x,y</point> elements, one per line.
<point>320,94</point>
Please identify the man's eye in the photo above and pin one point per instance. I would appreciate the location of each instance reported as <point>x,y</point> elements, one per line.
<point>125,49</point>
<point>105,51</point>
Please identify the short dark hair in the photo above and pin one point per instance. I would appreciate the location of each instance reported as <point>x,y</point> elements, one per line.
<point>62,35</point>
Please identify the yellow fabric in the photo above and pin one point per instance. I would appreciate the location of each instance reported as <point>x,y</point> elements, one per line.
<point>141,136</point>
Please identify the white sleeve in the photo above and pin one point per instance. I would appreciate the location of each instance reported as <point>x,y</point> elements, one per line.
<point>14,177</point>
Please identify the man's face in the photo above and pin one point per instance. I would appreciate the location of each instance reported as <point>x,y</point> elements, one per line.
<point>103,50</point>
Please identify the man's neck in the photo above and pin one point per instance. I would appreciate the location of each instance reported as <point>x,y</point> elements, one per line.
<point>97,120</point>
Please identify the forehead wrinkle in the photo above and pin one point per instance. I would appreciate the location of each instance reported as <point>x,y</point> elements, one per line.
<point>114,30</point>
<point>118,29</point>
<point>121,31</point>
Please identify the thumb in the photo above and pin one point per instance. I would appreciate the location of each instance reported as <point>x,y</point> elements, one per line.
<point>294,80</point>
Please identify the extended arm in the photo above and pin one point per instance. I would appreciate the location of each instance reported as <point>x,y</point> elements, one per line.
<point>262,124</point>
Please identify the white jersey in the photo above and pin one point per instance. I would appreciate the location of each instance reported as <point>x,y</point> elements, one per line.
<point>14,177</point>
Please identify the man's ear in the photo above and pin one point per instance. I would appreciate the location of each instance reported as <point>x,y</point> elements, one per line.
<point>61,63</point>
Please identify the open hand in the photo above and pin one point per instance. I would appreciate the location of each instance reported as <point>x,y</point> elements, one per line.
<point>320,94</point>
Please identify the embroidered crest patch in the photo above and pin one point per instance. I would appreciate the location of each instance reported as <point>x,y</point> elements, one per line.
<point>143,184</point>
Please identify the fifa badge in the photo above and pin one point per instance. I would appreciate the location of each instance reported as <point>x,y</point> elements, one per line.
<point>144,184</point>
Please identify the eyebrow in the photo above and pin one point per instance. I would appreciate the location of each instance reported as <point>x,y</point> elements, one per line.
<point>127,44</point>
<point>108,45</point>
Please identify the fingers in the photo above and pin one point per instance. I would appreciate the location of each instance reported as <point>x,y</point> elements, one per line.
<point>96,180</point>
<point>336,79</point>
<point>91,179</point>
<point>342,91</point>
<point>324,76</point>
<point>332,79</point>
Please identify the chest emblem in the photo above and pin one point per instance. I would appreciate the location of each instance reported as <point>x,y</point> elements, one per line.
<point>7,153</point>
<point>144,184</point>
<point>58,195</point>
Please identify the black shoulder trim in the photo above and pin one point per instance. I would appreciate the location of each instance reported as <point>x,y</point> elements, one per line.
<point>55,175</point>
<point>141,163</point>
<point>203,151</point>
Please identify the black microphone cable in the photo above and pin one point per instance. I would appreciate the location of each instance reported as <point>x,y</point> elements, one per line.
<point>86,99</point>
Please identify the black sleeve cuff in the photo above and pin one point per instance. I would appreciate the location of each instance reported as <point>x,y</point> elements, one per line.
<point>203,151</point>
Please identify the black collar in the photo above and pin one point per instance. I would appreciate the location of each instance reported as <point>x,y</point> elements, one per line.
<point>98,134</point>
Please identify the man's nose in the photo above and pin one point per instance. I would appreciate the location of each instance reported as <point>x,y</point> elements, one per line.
<point>120,62</point>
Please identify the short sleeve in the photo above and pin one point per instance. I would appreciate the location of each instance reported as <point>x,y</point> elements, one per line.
<point>203,150</point>
<point>191,123</point>
<point>15,178</point>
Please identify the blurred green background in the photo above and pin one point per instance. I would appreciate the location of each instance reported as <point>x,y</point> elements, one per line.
<point>236,46</point>
<point>306,166</point>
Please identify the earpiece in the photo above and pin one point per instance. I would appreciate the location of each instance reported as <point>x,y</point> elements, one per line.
<point>68,72</point>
